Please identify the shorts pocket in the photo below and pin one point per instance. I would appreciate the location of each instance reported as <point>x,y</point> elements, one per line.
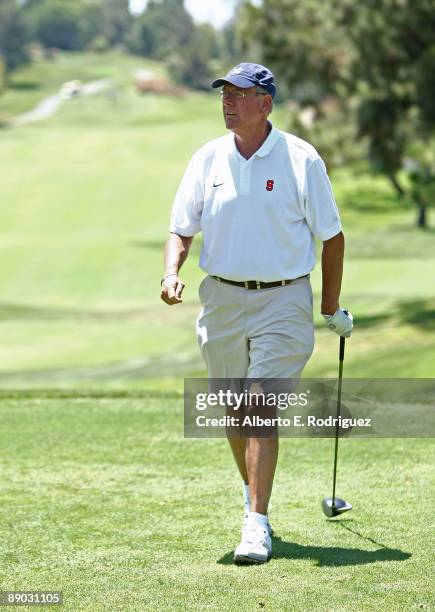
<point>202,284</point>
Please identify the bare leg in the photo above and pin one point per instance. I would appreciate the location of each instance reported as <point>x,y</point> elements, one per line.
<point>237,440</point>
<point>238,446</point>
<point>260,457</point>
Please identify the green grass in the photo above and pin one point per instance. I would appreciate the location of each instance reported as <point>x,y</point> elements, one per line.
<point>103,498</point>
<point>101,495</point>
<point>44,78</point>
<point>86,197</point>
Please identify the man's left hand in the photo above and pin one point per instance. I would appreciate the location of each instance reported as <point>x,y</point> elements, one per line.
<point>341,322</point>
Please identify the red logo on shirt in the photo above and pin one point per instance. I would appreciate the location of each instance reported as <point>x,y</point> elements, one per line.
<point>269,185</point>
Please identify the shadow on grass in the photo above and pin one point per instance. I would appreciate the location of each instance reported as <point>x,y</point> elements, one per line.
<point>51,314</point>
<point>26,86</point>
<point>29,312</point>
<point>366,198</point>
<point>147,366</point>
<point>330,556</point>
<point>364,322</point>
<point>159,245</point>
<point>391,242</point>
<point>345,525</point>
<point>86,394</point>
<point>418,313</point>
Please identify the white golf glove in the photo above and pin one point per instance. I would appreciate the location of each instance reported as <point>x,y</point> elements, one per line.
<point>341,322</point>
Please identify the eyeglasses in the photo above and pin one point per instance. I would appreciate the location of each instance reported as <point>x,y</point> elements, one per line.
<point>239,95</point>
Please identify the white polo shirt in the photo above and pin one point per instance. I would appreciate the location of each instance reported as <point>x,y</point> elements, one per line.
<point>259,216</point>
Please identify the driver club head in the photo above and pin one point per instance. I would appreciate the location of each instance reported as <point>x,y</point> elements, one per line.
<point>335,507</point>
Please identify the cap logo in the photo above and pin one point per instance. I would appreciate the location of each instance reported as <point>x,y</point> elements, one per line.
<point>246,75</point>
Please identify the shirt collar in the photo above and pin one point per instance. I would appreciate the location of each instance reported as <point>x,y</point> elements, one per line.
<point>269,143</point>
<point>265,148</point>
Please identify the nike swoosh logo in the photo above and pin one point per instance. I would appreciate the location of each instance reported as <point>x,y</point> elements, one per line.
<point>218,185</point>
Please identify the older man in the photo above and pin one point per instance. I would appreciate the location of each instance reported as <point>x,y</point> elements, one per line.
<point>259,196</point>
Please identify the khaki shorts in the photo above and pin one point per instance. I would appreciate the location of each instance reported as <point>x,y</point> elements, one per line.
<point>265,333</point>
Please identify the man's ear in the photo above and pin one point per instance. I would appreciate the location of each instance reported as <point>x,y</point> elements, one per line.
<point>266,104</point>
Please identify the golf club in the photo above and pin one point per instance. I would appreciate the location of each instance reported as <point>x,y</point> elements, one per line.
<point>333,506</point>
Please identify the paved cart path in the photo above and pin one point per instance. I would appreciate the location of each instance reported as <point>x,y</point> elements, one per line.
<point>48,106</point>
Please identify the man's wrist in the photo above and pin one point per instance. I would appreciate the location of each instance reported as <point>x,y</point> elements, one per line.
<point>328,309</point>
<point>168,275</point>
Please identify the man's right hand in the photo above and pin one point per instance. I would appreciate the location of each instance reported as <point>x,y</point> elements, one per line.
<point>172,288</point>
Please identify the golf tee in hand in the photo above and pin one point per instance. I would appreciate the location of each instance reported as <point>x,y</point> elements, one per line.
<point>172,288</point>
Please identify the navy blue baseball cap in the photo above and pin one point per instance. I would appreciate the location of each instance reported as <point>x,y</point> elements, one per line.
<point>249,75</point>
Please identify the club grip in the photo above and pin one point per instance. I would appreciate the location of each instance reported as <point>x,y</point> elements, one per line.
<point>342,344</point>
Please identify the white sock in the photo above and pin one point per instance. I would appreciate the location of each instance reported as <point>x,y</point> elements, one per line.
<point>260,519</point>
<point>246,494</point>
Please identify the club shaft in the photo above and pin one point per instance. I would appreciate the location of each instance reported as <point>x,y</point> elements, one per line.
<point>337,424</point>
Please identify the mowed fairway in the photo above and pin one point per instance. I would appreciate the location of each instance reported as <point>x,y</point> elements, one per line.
<point>102,497</point>
<point>85,200</point>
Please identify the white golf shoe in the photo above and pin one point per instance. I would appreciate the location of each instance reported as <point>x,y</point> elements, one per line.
<point>256,544</point>
<point>245,521</point>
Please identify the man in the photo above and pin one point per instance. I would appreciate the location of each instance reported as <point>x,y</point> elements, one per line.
<point>259,196</point>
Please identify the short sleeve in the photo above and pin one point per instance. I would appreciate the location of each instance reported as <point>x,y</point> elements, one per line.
<point>321,211</point>
<point>188,201</point>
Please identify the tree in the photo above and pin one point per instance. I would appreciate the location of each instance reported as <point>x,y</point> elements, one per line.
<point>229,38</point>
<point>166,32</point>
<point>302,42</point>
<point>192,66</point>
<point>109,21</point>
<point>311,55</point>
<point>376,57</point>
<point>61,24</point>
<point>394,80</point>
<point>13,36</point>
<point>116,21</point>
<point>162,30</point>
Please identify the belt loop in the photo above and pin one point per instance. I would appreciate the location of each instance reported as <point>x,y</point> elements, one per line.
<point>246,285</point>
<point>283,283</point>
<point>258,284</point>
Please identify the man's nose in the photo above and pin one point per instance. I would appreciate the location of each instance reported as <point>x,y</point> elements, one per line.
<point>227,102</point>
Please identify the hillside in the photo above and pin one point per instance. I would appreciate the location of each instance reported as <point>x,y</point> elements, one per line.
<point>85,199</point>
